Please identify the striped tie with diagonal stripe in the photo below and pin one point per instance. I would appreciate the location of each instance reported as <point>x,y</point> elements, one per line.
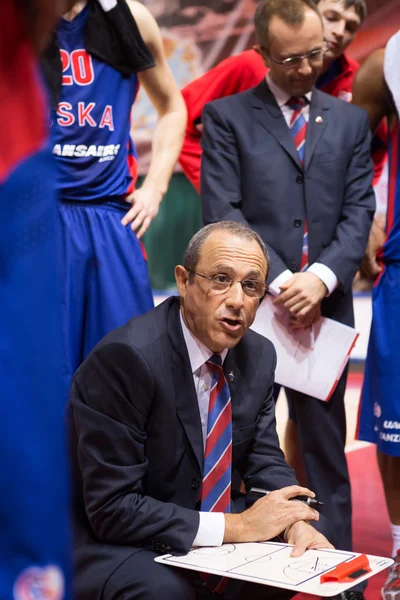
<point>216,488</point>
<point>217,471</point>
<point>298,129</point>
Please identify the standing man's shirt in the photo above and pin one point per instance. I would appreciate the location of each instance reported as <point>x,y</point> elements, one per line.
<point>326,274</point>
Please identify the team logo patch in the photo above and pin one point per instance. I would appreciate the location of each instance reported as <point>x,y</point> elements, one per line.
<point>36,583</point>
<point>377,410</point>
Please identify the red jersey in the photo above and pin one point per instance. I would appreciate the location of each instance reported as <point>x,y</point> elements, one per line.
<point>24,125</point>
<point>237,74</point>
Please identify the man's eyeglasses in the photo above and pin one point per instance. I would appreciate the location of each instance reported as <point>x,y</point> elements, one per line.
<point>313,57</point>
<point>220,283</point>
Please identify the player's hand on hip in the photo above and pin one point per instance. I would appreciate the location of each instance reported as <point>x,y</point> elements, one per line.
<point>301,294</point>
<point>304,537</point>
<point>269,516</point>
<point>145,204</point>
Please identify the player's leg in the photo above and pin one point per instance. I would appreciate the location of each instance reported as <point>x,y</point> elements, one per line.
<point>389,467</point>
<point>379,420</point>
<point>118,282</point>
<point>73,256</point>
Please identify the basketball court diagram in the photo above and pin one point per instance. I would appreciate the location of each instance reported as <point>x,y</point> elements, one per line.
<point>270,563</point>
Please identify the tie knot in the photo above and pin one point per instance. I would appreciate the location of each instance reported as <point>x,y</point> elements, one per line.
<point>296,102</point>
<point>215,362</point>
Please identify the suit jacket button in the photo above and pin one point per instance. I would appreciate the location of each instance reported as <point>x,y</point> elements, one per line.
<point>300,179</point>
<point>297,222</point>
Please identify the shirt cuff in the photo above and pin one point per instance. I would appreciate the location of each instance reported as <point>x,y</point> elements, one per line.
<point>326,275</point>
<point>211,529</point>
<point>273,287</point>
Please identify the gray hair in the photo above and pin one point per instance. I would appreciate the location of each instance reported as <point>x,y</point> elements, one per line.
<point>192,253</point>
<point>291,12</point>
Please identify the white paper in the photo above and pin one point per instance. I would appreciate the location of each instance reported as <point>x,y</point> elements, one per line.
<point>309,360</point>
<point>269,563</point>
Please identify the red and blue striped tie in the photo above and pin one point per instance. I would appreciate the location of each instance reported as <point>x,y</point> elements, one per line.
<point>298,129</point>
<point>217,471</point>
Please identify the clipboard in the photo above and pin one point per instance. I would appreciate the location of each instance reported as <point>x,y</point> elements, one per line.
<point>309,360</point>
<point>319,572</point>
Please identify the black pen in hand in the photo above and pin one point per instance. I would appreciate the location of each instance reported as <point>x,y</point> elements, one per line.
<point>305,499</point>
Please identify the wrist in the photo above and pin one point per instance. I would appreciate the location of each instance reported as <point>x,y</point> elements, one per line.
<point>156,186</point>
<point>235,529</point>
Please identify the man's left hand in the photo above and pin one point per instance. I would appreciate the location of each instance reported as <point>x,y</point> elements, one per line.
<point>145,204</point>
<point>301,294</point>
<point>305,537</point>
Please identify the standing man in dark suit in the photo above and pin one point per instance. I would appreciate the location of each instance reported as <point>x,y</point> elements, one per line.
<point>294,164</point>
<point>154,446</point>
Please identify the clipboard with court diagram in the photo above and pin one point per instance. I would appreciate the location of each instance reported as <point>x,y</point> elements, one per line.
<point>269,563</point>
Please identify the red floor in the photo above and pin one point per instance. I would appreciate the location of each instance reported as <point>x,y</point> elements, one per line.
<point>371,532</point>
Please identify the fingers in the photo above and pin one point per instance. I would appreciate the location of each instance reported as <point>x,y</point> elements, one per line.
<point>132,214</point>
<point>295,490</point>
<point>144,227</point>
<point>300,546</point>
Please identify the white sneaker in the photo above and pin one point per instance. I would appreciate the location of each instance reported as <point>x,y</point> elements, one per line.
<point>391,589</point>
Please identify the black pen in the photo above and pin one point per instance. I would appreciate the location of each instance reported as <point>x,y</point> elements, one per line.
<point>305,499</point>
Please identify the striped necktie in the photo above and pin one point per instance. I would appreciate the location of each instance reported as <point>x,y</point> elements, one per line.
<point>298,129</point>
<point>217,472</point>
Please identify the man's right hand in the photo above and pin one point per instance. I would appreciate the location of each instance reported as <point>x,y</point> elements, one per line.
<point>269,516</point>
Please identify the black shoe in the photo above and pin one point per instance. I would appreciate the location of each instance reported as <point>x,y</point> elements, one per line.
<point>350,595</point>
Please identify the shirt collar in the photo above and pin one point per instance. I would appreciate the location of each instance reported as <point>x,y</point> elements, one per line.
<point>198,352</point>
<point>280,96</point>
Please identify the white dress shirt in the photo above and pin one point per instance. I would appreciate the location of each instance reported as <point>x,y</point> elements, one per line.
<point>212,524</point>
<point>326,274</point>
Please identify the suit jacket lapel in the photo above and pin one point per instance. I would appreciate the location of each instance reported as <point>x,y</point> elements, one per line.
<point>185,394</point>
<point>316,125</point>
<point>235,381</point>
<point>269,115</point>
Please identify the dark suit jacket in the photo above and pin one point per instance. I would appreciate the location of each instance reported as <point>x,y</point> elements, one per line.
<point>251,173</point>
<point>137,441</point>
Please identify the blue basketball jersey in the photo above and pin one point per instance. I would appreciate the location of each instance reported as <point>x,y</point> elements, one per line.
<point>391,249</point>
<point>95,155</point>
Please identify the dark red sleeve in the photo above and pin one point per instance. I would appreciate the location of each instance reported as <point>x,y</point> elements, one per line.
<point>233,75</point>
<point>23,122</point>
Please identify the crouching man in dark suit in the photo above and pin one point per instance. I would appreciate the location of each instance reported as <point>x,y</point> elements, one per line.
<point>162,411</point>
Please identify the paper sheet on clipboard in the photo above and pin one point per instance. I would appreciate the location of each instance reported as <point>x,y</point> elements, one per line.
<point>309,360</point>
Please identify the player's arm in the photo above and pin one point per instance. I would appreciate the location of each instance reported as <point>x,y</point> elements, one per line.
<point>371,93</point>
<point>370,90</point>
<point>165,96</point>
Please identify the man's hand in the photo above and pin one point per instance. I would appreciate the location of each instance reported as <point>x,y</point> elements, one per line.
<point>370,268</point>
<point>304,537</point>
<point>145,204</point>
<point>269,516</point>
<point>301,294</point>
<point>313,316</point>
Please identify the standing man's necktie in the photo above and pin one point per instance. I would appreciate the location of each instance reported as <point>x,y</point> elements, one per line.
<point>217,472</point>
<point>298,129</point>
